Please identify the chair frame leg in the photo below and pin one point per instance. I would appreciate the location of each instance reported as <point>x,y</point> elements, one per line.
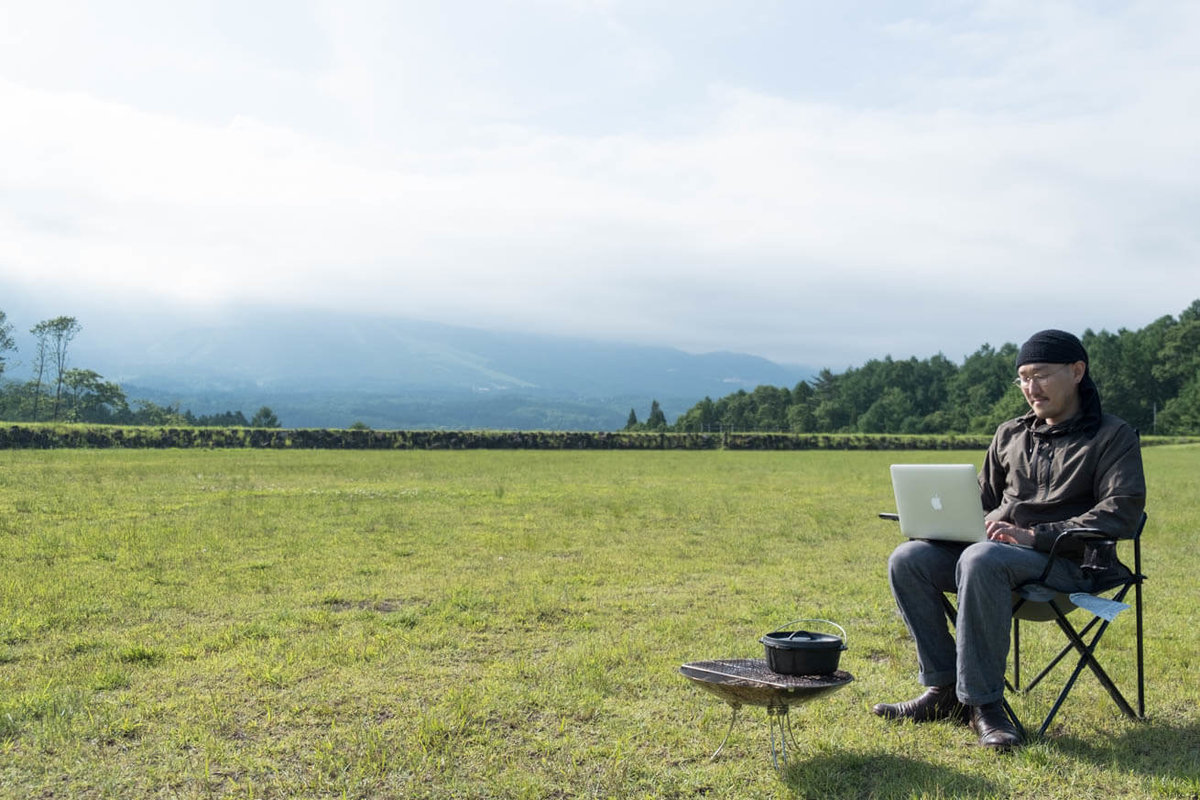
<point>1066,651</point>
<point>1137,593</point>
<point>1087,658</point>
<point>1015,686</point>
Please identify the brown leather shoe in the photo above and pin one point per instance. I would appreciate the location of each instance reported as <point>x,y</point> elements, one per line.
<point>939,702</point>
<point>994,727</point>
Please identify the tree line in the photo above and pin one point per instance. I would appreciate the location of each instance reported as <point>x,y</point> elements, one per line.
<point>57,392</point>
<point>1149,377</point>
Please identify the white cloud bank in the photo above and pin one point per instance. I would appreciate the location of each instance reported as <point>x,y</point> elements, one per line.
<point>970,174</point>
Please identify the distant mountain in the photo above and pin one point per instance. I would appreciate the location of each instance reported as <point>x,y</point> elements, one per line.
<point>330,370</point>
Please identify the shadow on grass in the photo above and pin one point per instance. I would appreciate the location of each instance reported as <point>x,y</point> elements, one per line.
<point>881,776</point>
<point>1148,748</point>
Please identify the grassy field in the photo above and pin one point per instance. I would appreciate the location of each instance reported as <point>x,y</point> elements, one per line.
<point>210,624</point>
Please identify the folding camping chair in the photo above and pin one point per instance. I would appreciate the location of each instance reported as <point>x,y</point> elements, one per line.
<point>1036,601</point>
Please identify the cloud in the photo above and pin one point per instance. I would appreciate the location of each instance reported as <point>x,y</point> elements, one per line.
<point>1005,165</point>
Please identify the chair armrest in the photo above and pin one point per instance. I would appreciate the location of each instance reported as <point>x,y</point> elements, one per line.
<point>1093,536</point>
<point>1082,534</point>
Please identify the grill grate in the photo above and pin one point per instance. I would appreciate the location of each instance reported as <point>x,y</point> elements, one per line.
<point>754,671</point>
<point>751,681</point>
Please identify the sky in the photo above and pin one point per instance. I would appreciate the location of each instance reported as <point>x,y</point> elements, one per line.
<point>817,183</point>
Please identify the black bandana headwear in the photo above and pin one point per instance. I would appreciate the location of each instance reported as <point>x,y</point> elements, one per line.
<point>1060,347</point>
<point>1052,347</point>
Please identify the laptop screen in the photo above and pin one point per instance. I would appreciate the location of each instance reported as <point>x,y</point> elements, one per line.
<point>938,501</point>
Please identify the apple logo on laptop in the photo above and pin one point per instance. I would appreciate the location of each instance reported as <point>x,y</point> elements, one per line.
<point>936,502</point>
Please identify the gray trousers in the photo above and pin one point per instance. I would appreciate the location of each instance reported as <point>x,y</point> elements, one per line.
<point>983,576</point>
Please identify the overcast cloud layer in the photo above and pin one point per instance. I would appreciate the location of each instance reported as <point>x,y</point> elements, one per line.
<point>815,182</point>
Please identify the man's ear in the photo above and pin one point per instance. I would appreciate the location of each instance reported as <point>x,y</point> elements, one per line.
<point>1078,370</point>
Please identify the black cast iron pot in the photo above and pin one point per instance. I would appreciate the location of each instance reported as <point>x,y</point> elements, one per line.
<point>800,652</point>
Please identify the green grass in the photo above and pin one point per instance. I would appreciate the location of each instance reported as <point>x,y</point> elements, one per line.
<point>210,624</point>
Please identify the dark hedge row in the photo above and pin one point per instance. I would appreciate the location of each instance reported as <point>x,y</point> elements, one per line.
<point>44,437</point>
<point>853,441</point>
<point>83,436</point>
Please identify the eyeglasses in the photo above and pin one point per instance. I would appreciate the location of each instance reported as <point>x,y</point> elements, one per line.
<point>1038,377</point>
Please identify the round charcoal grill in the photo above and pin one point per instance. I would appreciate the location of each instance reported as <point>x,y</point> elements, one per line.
<point>749,681</point>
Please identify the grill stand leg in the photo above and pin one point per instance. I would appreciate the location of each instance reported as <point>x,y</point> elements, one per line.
<point>781,723</point>
<point>732,719</point>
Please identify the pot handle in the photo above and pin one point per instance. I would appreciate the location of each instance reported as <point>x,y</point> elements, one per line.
<point>814,619</point>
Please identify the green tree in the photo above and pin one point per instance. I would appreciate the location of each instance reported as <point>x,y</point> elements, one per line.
<point>264,418</point>
<point>631,424</point>
<point>800,417</point>
<point>887,414</point>
<point>1178,367</point>
<point>699,418</point>
<point>737,411</point>
<point>41,357</point>
<point>54,339</point>
<point>657,421</point>
<point>927,382</point>
<point>770,408</point>
<point>149,413</point>
<point>1178,361</point>
<point>706,418</point>
<point>1125,368</point>
<point>832,412</point>
<point>90,398</point>
<point>7,342</point>
<point>226,419</point>
<point>1181,415</point>
<point>984,378</point>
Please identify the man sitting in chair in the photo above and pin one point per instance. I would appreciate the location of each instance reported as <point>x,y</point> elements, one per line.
<point>1065,464</point>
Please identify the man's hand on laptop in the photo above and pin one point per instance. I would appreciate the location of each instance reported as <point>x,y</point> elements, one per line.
<point>1004,531</point>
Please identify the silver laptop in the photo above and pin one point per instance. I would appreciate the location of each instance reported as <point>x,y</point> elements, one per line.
<point>938,501</point>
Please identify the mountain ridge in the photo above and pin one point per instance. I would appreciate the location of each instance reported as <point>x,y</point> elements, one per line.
<point>330,370</point>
